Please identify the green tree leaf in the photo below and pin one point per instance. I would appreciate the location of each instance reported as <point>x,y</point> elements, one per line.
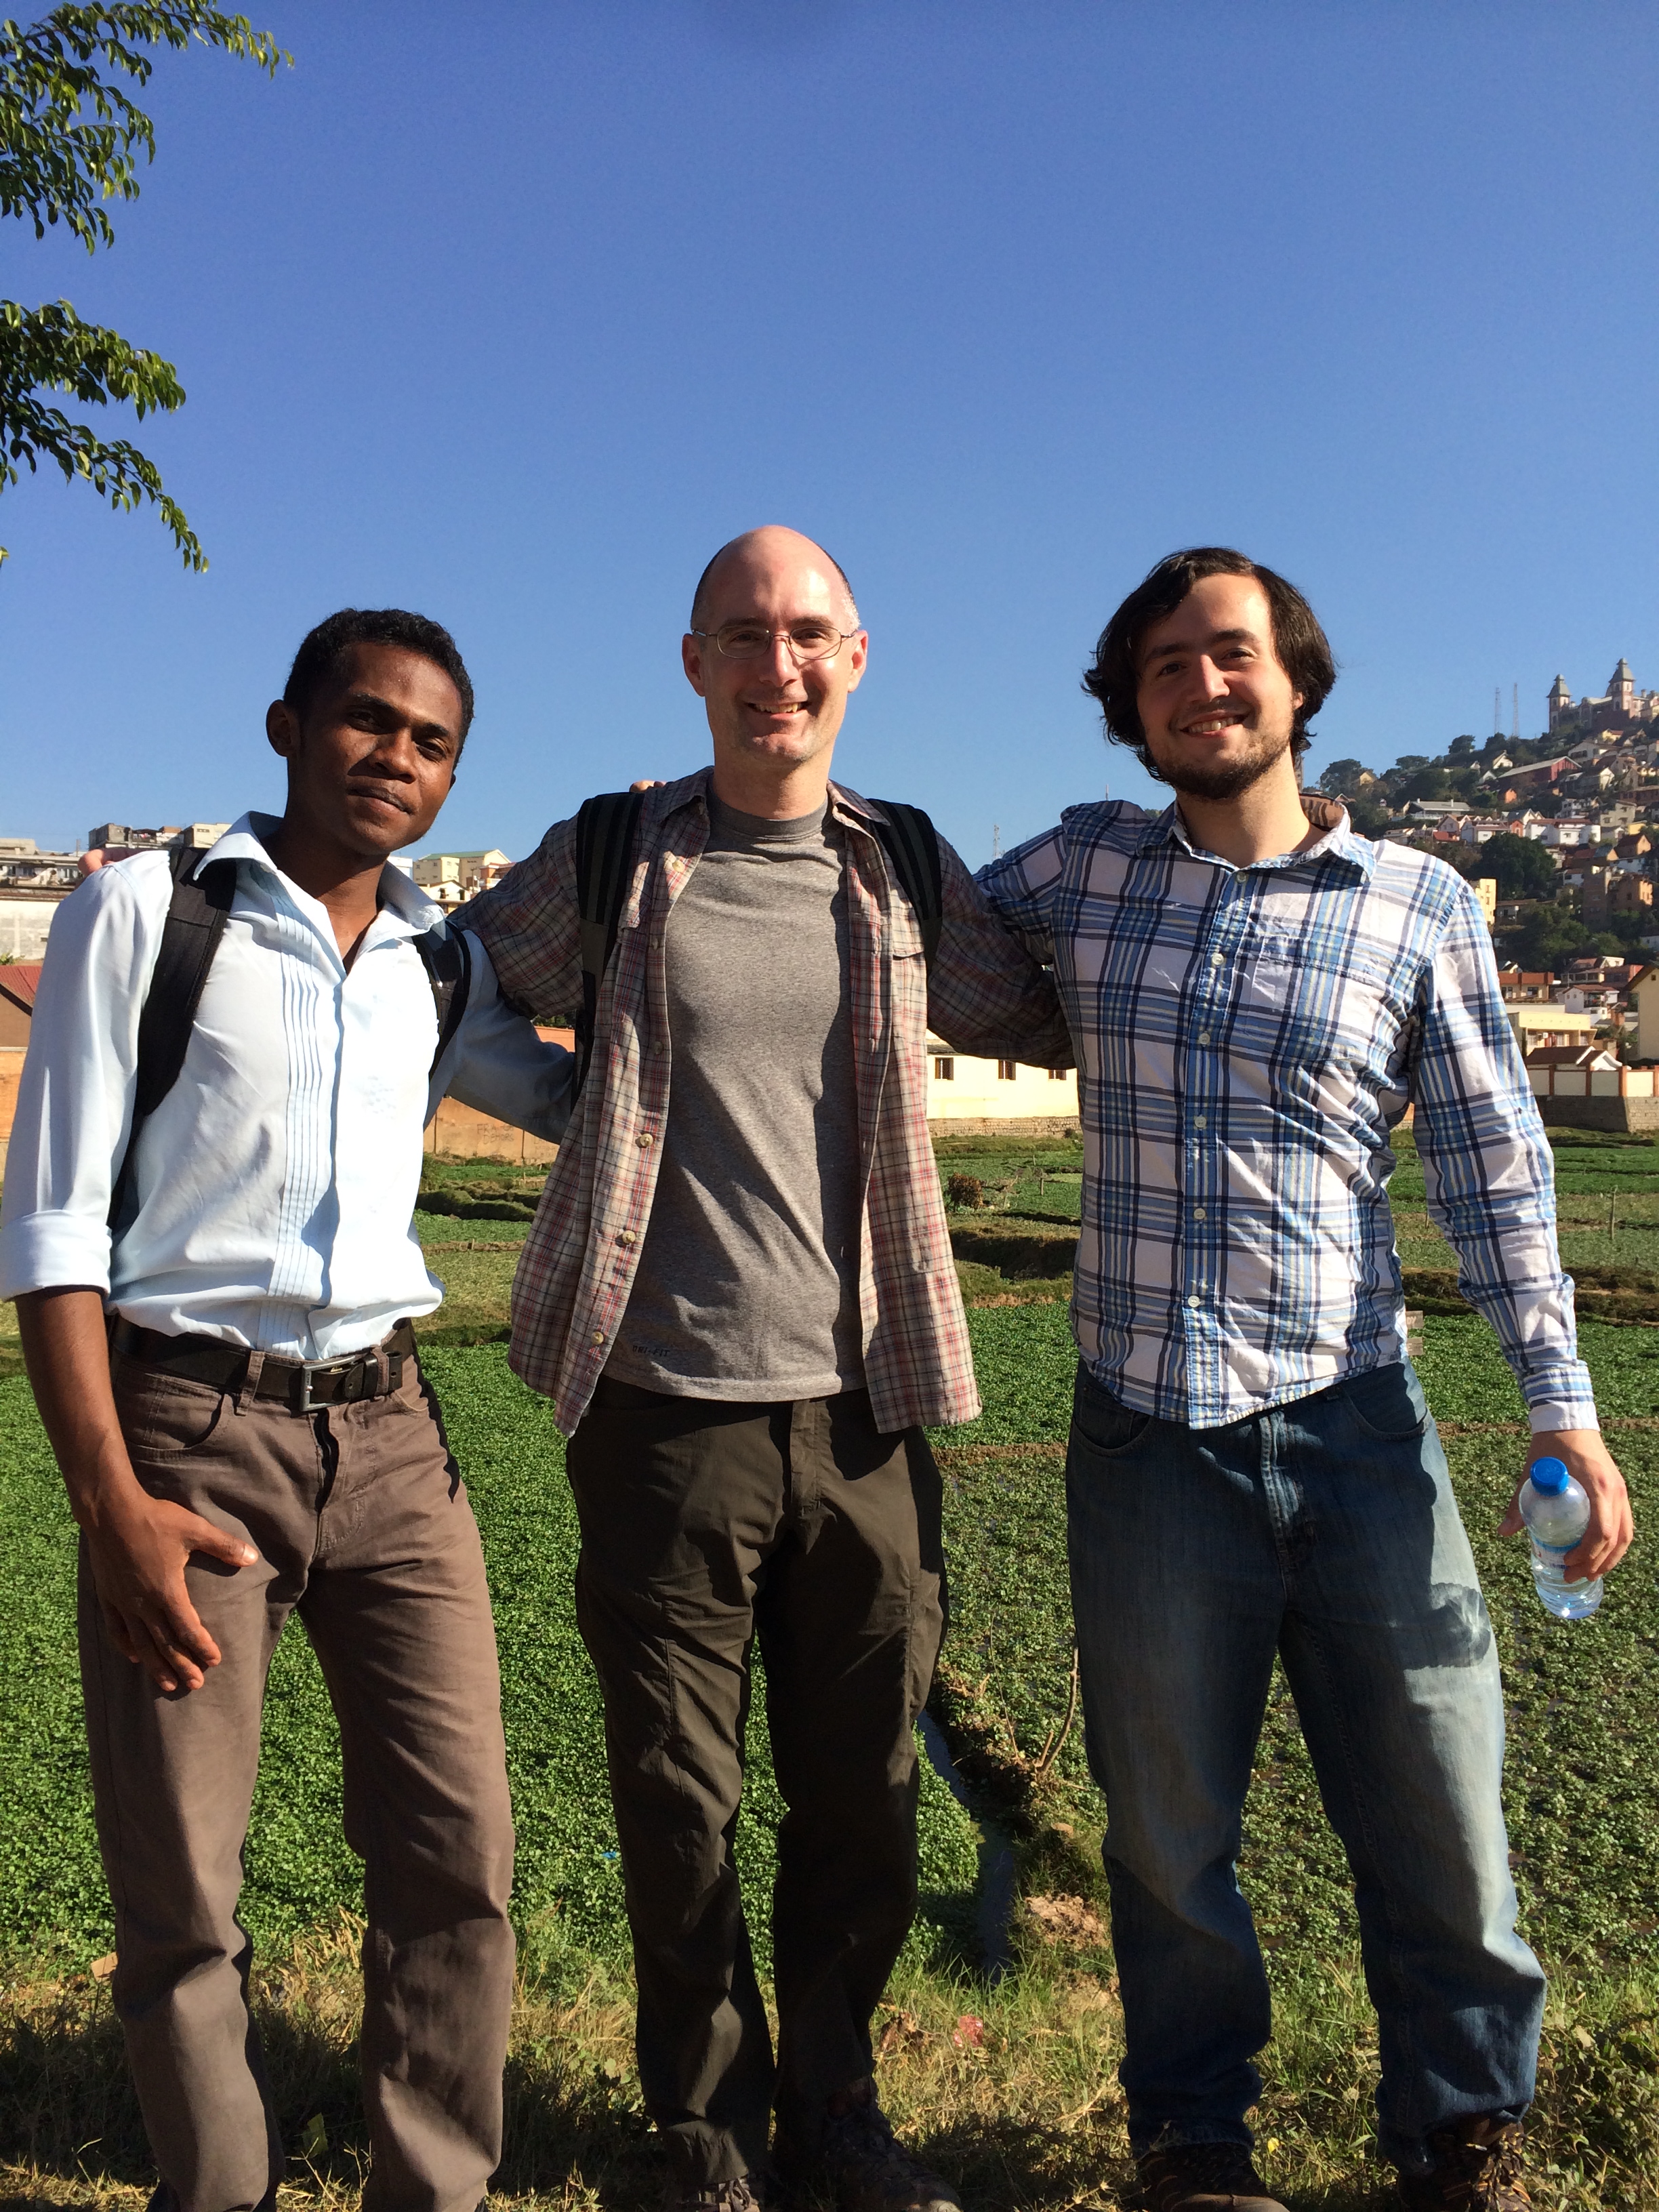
<point>70,139</point>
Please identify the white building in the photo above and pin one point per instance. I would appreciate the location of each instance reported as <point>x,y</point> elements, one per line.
<point>974,1094</point>
<point>448,877</point>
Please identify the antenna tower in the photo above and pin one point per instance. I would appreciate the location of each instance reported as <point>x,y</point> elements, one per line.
<point>1515,713</point>
<point>1498,708</point>
<point>996,840</point>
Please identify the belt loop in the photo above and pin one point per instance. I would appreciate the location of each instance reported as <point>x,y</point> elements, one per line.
<point>249,1386</point>
<point>382,1371</point>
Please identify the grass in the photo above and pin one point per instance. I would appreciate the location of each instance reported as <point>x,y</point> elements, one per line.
<point>1008,2082</point>
<point>300,1872</point>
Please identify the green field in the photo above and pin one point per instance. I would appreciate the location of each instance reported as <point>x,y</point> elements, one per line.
<point>1025,2111</point>
<point>300,1873</point>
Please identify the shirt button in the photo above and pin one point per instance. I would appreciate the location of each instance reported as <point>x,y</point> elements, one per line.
<point>598,1336</point>
<point>1215,959</point>
<point>1197,1213</point>
<point>627,1236</point>
<point>646,1139</point>
<point>1203,1038</point>
<point>1194,1300</point>
<point>1200,1121</point>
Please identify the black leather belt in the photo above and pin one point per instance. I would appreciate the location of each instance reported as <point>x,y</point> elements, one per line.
<point>304,1384</point>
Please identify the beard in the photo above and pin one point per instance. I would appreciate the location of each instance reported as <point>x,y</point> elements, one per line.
<point>1225,780</point>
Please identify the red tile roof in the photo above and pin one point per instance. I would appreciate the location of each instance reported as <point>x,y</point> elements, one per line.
<point>20,980</point>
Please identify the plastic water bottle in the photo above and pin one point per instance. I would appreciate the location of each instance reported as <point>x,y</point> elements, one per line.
<point>1556,1513</point>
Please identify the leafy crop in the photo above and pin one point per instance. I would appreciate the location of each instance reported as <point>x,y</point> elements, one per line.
<point>1583,1791</point>
<point>299,1870</point>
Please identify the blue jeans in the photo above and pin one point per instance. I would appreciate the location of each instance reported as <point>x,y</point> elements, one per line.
<point>1325,1531</point>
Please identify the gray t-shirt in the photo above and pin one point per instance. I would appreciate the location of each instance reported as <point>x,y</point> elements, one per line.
<point>748,1281</point>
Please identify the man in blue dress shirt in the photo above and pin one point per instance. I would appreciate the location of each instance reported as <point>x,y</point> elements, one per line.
<point>230,1385</point>
<point>1256,996</point>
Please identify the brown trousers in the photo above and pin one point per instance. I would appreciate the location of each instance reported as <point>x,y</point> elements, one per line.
<point>703,1526</point>
<point>363,1528</point>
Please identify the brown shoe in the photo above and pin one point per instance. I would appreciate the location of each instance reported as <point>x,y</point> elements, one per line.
<point>1211,2177</point>
<point>1477,2168</point>
<point>870,2168</point>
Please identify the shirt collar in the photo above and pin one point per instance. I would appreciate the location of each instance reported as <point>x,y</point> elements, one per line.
<point>1338,840</point>
<point>844,805</point>
<point>401,898</point>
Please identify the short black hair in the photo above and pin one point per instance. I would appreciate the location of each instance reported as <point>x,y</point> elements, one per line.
<point>1114,675</point>
<point>320,650</point>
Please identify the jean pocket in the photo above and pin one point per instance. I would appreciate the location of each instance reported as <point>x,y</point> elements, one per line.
<point>169,1419</point>
<point>1387,1403</point>
<point>1103,1423</point>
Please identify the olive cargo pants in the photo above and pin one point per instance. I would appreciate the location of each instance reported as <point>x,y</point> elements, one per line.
<point>705,1526</point>
<point>363,1528</point>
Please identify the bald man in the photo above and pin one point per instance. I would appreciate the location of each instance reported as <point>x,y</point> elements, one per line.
<point>740,1297</point>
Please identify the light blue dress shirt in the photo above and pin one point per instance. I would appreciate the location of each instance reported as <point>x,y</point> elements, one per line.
<point>1247,1039</point>
<point>277,1181</point>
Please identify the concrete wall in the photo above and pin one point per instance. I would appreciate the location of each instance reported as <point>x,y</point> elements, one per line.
<point>1625,1114</point>
<point>11,1070</point>
<point>1592,1082</point>
<point>24,923</point>
<point>1018,1128</point>
<point>459,1133</point>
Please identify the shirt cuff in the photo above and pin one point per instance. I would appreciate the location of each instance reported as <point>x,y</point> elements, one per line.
<point>1562,1397</point>
<point>53,1251</point>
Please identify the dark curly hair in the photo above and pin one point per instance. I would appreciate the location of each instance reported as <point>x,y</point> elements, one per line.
<point>320,650</point>
<point>1114,675</point>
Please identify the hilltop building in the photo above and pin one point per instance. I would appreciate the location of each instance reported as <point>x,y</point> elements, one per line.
<point>1620,711</point>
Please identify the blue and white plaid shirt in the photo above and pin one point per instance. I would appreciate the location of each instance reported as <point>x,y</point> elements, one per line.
<point>1246,1039</point>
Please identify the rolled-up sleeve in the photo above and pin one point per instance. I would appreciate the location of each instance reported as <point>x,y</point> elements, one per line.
<point>1489,1173</point>
<point>75,1101</point>
<point>497,1063</point>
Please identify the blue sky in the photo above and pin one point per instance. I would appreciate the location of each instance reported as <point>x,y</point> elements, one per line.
<point>513,312</point>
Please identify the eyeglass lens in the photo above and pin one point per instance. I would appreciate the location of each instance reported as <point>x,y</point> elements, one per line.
<point>808,640</point>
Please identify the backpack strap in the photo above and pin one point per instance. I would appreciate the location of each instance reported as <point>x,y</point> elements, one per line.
<point>606,827</point>
<point>190,938</point>
<point>448,965</point>
<point>911,844</point>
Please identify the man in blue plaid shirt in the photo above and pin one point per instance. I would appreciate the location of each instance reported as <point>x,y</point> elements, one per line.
<point>1256,996</point>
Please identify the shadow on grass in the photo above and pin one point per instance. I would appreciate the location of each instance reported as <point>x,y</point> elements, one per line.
<point>70,2120</point>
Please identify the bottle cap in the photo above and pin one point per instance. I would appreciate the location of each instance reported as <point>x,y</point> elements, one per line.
<point>1549,1475</point>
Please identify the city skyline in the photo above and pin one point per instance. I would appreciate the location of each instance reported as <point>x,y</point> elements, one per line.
<point>518,369</point>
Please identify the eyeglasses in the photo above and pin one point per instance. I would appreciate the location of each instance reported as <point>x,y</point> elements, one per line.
<point>807,641</point>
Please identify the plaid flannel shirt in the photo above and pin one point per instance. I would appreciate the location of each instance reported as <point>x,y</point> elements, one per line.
<point>985,995</point>
<point>1247,1038</point>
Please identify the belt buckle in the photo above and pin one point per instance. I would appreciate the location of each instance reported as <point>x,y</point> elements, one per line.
<point>307,1404</point>
<point>363,1361</point>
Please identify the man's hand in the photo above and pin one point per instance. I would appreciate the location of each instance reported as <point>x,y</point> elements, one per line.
<point>138,1544</point>
<point>138,1549</point>
<point>1589,1462</point>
